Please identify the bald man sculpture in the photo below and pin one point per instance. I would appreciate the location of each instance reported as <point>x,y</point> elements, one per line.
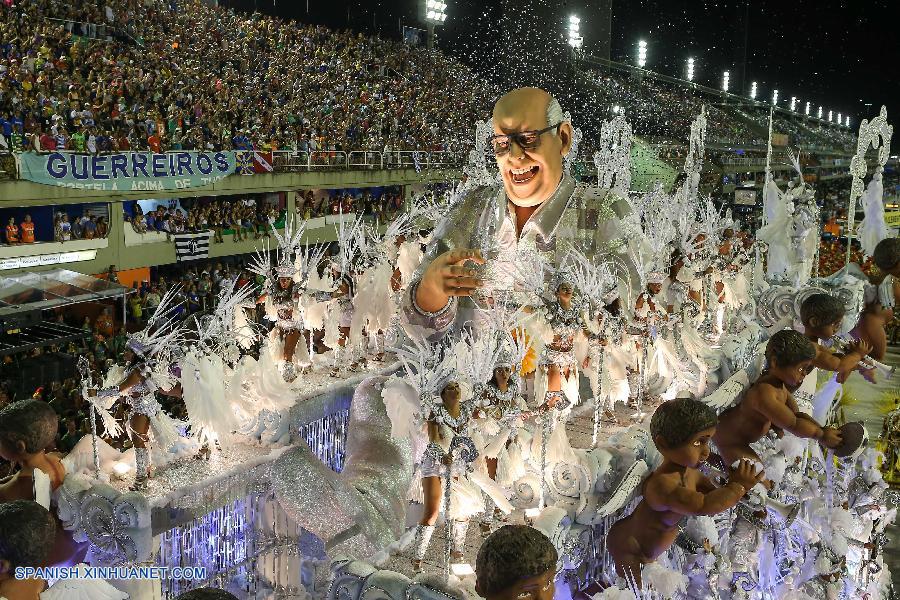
<point>539,208</point>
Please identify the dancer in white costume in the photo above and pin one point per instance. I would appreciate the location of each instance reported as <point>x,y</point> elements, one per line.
<point>281,295</point>
<point>501,427</point>
<point>563,316</point>
<point>432,403</point>
<point>150,359</point>
<point>606,365</point>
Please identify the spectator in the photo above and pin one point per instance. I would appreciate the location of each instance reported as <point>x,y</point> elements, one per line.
<point>77,229</point>
<point>139,222</point>
<point>102,227</point>
<point>149,221</point>
<point>12,232</point>
<point>71,436</point>
<point>134,306</point>
<point>27,230</point>
<point>104,324</point>
<point>62,229</point>
<point>90,228</point>
<point>152,299</point>
<point>47,142</point>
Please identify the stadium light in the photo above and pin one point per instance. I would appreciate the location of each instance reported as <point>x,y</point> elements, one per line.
<point>726,76</point>
<point>793,103</point>
<point>642,53</point>
<point>753,91</point>
<point>690,69</point>
<point>575,39</point>
<point>820,112</point>
<point>830,116</point>
<point>435,11</point>
<point>839,119</point>
<point>774,97</point>
<point>807,108</point>
<point>847,123</point>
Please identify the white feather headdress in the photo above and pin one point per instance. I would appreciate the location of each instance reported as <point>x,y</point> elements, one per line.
<point>408,397</point>
<point>163,333</point>
<point>216,332</point>
<point>288,243</point>
<point>658,233</point>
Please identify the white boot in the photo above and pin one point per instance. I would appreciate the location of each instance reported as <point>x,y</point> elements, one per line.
<point>460,528</point>
<point>487,517</point>
<point>141,467</point>
<point>423,538</point>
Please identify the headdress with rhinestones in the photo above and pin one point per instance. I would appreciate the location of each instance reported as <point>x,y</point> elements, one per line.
<point>163,333</point>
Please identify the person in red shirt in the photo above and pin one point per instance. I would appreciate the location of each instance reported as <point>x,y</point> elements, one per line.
<point>154,142</point>
<point>27,230</point>
<point>48,142</point>
<point>12,232</point>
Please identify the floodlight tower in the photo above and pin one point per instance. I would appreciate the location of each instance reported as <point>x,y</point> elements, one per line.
<point>820,113</point>
<point>690,69</point>
<point>839,119</point>
<point>435,14</point>
<point>642,53</point>
<point>753,91</point>
<point>793,103</point>
<point>831,116</point>
<point>774,97</point>
<point>807,108</point>
<point>726,77</point>
<point>847,123</point>
<point>575,38</point>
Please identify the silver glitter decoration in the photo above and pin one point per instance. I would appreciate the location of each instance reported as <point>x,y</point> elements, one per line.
<point>361,509</point>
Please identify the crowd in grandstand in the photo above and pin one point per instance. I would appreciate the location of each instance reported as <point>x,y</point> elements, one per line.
<point>659,109</point>
<point>665,110</point>
<point>242,217</point>
<point>181,74</point>
<point>381,207</point>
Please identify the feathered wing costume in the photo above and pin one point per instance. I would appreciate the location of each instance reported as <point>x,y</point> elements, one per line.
<point>156,355</point>
<point>205,371</point>
<point>775,233</point>
<point>282,303</point>
<point>374,304</point>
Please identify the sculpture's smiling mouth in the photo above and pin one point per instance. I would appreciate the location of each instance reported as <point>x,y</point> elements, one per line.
<point>523,176</point>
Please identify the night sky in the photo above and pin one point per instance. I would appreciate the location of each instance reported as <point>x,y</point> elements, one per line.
<point>839,54</point>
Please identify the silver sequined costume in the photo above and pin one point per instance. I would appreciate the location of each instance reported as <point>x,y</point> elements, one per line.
<point>141,397</point>
<point>448,428</point>
<point>565,323</point>
<point>577,215</point>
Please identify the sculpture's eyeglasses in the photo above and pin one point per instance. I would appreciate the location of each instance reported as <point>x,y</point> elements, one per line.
<point>527,140</point>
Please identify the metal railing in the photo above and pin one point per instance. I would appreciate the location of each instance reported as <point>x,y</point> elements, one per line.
<point>289,161</point>
<point>338,160</point>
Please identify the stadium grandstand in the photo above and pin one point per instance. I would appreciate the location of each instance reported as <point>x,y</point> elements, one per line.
<point>315,113</point>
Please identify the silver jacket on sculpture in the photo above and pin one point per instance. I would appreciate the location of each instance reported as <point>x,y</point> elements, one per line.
<point>587,217</point>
